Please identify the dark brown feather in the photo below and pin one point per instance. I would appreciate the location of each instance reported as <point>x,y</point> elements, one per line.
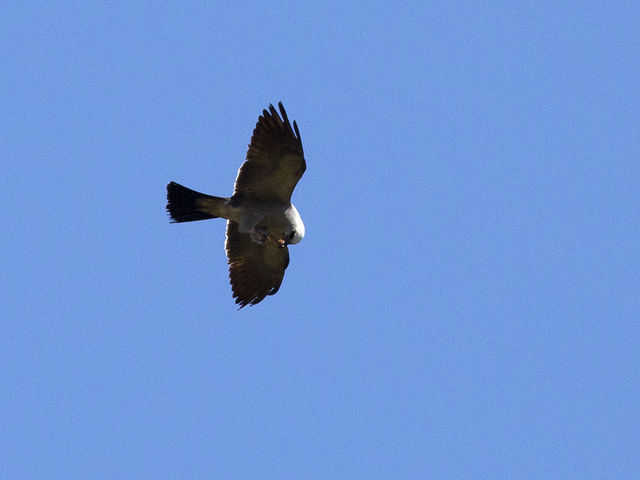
<point>275,159</point>
<point>255,270</point>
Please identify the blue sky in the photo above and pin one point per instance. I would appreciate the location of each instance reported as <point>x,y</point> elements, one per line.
<point>465,302</point>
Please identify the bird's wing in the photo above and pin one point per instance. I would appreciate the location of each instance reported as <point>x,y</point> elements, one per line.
<point>255,269</point>
<point>275,160</point>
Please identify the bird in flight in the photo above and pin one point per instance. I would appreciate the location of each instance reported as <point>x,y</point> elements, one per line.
<point>261,221</point>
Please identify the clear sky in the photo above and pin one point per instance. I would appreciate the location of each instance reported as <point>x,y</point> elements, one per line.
<point>465,303</point>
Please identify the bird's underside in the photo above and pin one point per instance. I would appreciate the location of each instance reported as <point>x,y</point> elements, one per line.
<point>261,221</point>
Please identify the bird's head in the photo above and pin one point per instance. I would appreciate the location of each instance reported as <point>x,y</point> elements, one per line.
<point>294,233</point>
<point>294,236</point>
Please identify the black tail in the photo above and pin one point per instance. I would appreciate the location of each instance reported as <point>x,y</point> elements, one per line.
<point>181,204</point>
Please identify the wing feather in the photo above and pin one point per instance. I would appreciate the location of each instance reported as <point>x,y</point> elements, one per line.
<point>275,159</point>
<point>255,270</point>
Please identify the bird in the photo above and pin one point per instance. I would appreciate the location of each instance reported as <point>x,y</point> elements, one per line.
<point>261,220</point>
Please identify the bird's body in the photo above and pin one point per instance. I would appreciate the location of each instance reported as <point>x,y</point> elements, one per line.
<point>261,219</point>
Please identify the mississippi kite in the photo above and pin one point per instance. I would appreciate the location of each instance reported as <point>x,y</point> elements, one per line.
<point>261,221</point>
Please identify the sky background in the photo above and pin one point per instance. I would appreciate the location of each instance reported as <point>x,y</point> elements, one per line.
<point>465,303</point>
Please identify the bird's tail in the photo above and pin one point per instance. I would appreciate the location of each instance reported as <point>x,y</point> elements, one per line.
<point>186,205</point>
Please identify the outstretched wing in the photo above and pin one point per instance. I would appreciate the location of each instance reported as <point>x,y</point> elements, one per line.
<point>255,270</point>
<point>275,160</point>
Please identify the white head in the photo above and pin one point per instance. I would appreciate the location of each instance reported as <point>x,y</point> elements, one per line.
<point>295,231</point>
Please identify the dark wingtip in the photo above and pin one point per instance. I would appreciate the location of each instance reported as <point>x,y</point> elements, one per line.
<point>244,302</point>
<point>283,113</point>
